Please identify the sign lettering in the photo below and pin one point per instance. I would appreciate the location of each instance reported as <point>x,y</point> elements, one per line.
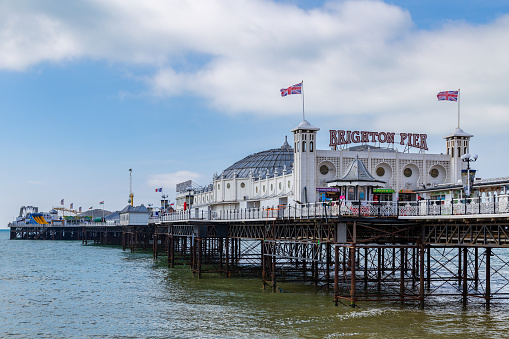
<point>341,137</point>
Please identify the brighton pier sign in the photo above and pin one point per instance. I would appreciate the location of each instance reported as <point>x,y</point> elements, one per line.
<point>340,137</point>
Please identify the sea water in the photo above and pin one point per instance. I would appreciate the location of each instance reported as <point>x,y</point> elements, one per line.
<point>63,289</point>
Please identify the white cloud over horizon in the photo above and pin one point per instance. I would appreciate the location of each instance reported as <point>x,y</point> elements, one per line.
<point>362,58</point>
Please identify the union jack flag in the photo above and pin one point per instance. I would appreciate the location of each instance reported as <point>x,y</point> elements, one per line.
<point>448,95</point>
<point>295,89</point>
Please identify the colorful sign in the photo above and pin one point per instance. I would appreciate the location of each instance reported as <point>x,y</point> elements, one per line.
<point>341,137</point>
<point>327,189</point>
<point>383,190</point>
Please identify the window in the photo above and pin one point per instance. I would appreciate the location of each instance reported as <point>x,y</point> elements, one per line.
<point>280,186</point>
<point>434,172</point>
<point>311,146</point>
<point>324,169</point>
<point>303,146</point>
<point>380,171</point>
<point>242,185</point>
<point>288,183</point>
<point>407,172</point>
<point>228,185</point>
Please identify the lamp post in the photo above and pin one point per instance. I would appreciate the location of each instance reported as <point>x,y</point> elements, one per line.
<point>468,159</point>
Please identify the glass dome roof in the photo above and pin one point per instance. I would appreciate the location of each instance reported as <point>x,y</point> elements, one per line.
<point>258,163</point>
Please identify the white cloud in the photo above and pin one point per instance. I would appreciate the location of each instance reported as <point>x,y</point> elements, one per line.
<point>363,58</point>
<point>169,180</point>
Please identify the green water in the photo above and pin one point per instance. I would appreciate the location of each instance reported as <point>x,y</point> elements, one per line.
<point>61,289</point>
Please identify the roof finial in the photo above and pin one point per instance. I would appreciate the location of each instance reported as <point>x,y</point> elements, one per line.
<point>286,145</point>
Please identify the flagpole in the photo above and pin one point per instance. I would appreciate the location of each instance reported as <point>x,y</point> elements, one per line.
<point>458,108</point>
<point>303,116</point>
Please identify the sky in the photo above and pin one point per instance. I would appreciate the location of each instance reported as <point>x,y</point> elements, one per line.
<point>182,89</point>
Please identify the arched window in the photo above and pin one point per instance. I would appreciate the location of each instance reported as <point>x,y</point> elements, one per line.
<point>459,151</point>
<point>311,146</point>
<point>303,146</point>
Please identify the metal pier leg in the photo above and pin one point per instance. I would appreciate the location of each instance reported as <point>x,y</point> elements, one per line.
<point>336,274</point>
<point>352,280</point>
<point>227,258</point>
<point>327,264</point>
<point>200,249</point>
<point>171,255</point>
<point>221,240</point>
<point>421,276</point>
<point>459,267</point>
<point>380,268</point>
<point>476,268</point>
<point>365,269</point>
<point>264,264</point>
<point>428,268</point>
<point>465,278</point>
<point>402,276</point>
<point>273,275</point>
<point>488,277</point>
<point>154,245</point>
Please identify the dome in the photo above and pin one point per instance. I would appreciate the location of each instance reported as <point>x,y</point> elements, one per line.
<point>258,163</point>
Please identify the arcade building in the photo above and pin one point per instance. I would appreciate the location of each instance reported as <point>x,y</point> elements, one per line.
<point>360,166</point>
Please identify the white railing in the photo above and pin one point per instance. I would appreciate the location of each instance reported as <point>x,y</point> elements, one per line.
<point>335,209</point>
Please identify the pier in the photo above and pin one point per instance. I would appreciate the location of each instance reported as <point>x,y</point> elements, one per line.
<point>397,252</point>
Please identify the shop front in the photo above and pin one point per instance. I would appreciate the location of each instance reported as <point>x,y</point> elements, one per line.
<point>383,194</point>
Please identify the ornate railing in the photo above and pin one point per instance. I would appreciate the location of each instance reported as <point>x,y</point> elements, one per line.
<point>335,209</point>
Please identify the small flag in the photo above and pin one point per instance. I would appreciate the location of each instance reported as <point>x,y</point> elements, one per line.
<point>101,203</point>
<point>91,207</point>
<point>448,95</point>
<point>159,189</point>
<point>172,204</point>
<point>295,89</point>
<point>62,202</point>
<point>71,206</point>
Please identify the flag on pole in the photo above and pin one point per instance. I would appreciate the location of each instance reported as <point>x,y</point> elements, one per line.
<point>80,209</point>
<point>62,202</point>
<point>295,89</point>
<point>91,207</point>
<point>101,203</point>
<point>71,206</point>
<point>448,95</point>
<point>159,189</point>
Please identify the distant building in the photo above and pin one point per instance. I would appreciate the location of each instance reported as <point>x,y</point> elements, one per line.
<point>134,215</point>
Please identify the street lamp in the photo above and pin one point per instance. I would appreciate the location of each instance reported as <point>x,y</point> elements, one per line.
<point>468,159</point>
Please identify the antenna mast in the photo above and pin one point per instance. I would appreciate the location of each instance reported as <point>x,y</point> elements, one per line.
<point>131,195</point>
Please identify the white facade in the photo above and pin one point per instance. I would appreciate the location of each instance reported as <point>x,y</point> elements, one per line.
<point>134,215</point>
<point>312,169</point>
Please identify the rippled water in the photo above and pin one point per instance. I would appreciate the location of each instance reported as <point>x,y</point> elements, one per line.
<point>61,289</point>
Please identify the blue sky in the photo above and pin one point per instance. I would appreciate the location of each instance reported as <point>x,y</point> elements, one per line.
<point>180,90</point>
